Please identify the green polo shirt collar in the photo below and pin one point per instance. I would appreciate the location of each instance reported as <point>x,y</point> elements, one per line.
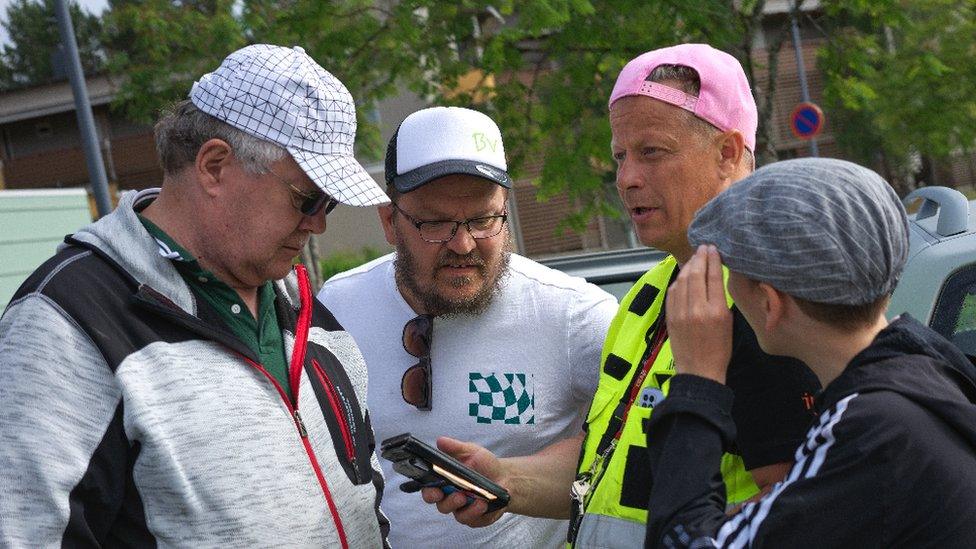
<point>261,335</point>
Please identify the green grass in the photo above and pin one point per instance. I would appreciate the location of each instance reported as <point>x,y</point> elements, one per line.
<point>343,261</point>
<point>967,315</point>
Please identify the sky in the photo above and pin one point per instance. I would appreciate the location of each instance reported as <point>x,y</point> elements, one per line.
<point>92,6</point>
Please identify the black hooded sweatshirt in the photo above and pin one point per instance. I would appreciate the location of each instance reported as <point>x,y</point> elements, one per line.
<point>891,461</point>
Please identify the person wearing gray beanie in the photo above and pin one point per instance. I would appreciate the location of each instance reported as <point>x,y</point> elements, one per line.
<point>814,248</point>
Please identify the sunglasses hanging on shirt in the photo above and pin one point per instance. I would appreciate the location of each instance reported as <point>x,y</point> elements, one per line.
<point>415,385</point>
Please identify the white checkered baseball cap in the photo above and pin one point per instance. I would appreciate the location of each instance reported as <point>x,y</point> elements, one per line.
<point>282,95</point>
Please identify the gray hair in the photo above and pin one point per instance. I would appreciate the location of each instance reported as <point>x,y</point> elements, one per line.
<point>688,81</point>
<point>183,129</point>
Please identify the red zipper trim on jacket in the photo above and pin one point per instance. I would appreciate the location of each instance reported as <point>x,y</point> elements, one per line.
<point>295,373</point>
<point>303,435</point>
<point>338,410</point>
<point>301,330</point>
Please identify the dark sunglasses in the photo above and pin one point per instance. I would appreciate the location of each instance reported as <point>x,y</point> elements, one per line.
<point>308,203</point>
<point>311,205</point>
<point>415,386</point>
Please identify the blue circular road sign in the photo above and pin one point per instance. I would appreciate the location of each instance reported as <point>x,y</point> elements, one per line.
<point>807,120</point>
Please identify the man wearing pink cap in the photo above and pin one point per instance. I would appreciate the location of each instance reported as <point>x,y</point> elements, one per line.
<point>683,122</point>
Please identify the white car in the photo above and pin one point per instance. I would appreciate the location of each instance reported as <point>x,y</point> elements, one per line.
<point>938,286</point>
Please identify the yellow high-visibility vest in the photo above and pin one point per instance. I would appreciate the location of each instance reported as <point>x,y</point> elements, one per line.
<point>615,502</point>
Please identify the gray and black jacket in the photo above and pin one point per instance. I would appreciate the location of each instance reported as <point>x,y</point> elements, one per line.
<point>130,417</point>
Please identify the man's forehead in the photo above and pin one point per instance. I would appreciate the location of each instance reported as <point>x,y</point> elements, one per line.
<point>632,106</point>
<point>638,116</point>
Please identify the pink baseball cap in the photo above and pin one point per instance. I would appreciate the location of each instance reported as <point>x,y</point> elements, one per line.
<point>725,100</point>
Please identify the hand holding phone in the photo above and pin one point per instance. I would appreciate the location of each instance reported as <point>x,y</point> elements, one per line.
<point>429,467</point>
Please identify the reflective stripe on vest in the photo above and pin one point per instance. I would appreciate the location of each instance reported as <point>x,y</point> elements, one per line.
<point>621,487</point>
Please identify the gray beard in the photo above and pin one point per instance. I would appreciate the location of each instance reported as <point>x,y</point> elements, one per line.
<point>405,271</point>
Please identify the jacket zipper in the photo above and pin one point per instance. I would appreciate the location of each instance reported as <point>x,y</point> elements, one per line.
<point>160,304</point>
<point>303,434</point>
<point>294,380</point>
<point>338,409</point>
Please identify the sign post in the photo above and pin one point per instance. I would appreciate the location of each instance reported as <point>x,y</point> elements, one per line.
<point>801,69</point>
<point>807,120</point>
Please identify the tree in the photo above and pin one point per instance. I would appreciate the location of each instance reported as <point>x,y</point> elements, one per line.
<point>30,58</point>
<point>555,66</point>
<point>754,21</point>
<point>158,47</point>
<point>542,69</point>
<point>899,81</point>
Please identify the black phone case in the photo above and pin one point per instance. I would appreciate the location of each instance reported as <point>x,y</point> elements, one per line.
<point>402,449</point>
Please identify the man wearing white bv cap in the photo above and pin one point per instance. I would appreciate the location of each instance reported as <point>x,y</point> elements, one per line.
<point>814,248</point>
<point>167,377</point>
<point>462,337</point>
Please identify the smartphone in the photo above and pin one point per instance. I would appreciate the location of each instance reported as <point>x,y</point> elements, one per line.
<point>428,466</point>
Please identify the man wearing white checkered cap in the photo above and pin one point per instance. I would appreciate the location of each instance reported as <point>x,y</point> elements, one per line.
<point>194,393</point>
<point>462,337</point>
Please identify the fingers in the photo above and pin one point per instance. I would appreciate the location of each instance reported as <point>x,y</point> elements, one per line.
<point>432,495</point>
<point>687,292</point>
<point>474,514</point>
<point>696,272</point>
<point>699,321</point>
<point>451,503</point>
<point>714,280</point>
<point>456,448</point>
<point>700,282</point>
<point>471,514</point>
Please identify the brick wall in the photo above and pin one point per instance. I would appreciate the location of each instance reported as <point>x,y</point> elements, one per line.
<point>134,158</point>
<point>538,220</point>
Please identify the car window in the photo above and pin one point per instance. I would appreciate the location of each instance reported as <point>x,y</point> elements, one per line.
<point>955,310</point>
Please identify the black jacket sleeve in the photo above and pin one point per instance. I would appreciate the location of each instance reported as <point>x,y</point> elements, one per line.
<point>830,483</point>
<point>688,433</point>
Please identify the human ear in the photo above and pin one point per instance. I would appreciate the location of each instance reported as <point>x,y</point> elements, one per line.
<point>212,159</point>
<point>386,214</point>
<point>774,306</point>
<point>731,147</point>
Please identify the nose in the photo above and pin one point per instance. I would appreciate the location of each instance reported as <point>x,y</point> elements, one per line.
<point>462,243</point>
<point>314,223</point>
<point>628,176</point>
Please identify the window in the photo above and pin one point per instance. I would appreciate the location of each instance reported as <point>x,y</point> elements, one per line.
<point>955,310</point>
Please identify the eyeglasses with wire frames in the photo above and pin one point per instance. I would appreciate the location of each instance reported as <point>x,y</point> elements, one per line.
<point>309,203</point>
<point>438,231</point>
<point>415,385</point>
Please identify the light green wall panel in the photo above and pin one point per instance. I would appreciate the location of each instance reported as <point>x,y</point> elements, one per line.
<point>32,224</point>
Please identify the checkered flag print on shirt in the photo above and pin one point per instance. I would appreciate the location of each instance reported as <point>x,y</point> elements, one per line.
<point>502,398</point>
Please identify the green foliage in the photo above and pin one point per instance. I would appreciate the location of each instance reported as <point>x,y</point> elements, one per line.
<point>160,47</point>
<point>343,261</point>
<point>542,69</point>
<point>555,69</point>
<point>899,78</point>
<point>34,39</point>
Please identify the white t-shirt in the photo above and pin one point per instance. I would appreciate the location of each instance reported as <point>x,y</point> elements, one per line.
<point>514,379</point>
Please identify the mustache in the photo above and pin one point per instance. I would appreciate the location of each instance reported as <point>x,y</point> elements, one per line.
<point>451,258</point>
